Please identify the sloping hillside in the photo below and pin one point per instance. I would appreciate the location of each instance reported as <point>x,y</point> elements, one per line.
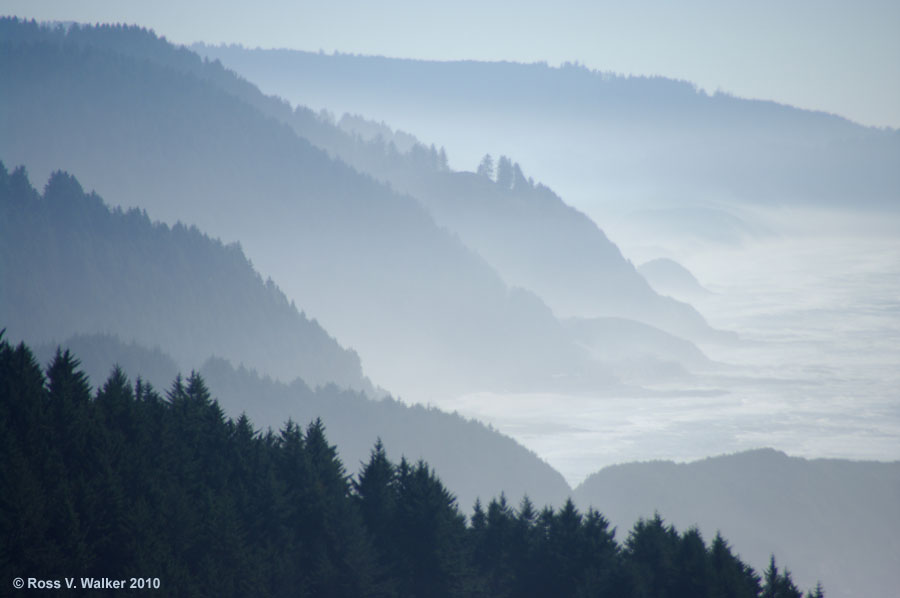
<point>72,265</point>
<point>837,519</point>
<point>524,231</point>
<point>538,242</point>
<point>626,138</point>
<point>475,460</point>
<point>425,313</point>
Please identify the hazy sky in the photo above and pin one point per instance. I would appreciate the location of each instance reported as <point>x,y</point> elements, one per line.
<point>833,55</point>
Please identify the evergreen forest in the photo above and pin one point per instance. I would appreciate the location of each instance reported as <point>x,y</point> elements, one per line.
<point>129,482</point>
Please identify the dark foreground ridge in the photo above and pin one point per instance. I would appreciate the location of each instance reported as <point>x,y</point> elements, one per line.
<point>127,484</point>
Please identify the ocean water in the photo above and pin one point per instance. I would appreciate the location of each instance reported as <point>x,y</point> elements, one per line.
<point>816,372</point>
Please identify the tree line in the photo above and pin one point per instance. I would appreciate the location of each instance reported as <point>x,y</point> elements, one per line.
<point>130,482</point>
<point>105,268</point>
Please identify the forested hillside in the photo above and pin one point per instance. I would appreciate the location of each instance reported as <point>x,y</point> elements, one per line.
<point>475,460</point>
<point>523,229</point>
<point>426,314</point>
<point>836,518</point>
<point>126,482</point>
<point>536,241</point>
<point>70,265</point>
<point>626,137</point>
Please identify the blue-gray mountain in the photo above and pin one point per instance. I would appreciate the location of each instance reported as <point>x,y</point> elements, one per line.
<point>524,230</point>
<point>70,265</point>
<point>537,241</point>
<point>836,518</point>
<point>426,314</point>
<point>625,137</point>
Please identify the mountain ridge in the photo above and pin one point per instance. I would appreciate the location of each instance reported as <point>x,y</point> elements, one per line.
<point>768,502</point>
<point>107,270</point>
<point>627,137</point>
<point>369,263</point>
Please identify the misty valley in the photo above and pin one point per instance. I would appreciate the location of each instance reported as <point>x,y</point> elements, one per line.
<point>284,323</point>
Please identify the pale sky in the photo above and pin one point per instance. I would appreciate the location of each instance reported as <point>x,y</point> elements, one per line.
<point>833,55</point>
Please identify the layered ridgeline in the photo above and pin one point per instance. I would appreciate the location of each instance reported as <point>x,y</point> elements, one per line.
<point>69,264</point>
<point>126,482</point>
<point>565,258</point>
<point>426,314</point>
<point>524,230</point>
<point>598,136</point>
<point>836,518</point>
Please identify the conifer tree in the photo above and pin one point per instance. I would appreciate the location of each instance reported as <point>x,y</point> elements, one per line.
<point>729,577</point>
<point>693,569</point>
<point>505,173</point>
<point>650,552</point>
<point>486,167</point>
<point>430,535</point>
<point>496,560</point>
<point>778,585</point>
<point>25,529</point>
<point>519,182</point>
<point>375,495</point>
<point>817,593</point>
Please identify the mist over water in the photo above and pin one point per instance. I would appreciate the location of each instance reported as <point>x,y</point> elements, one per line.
<point>815,372</point>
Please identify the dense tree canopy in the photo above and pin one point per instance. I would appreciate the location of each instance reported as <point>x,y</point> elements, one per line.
<point>127,482</point>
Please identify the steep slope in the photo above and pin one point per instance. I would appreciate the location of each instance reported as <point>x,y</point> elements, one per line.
<point>70,265</point>
<point>837,519</point>
<point>538,242</point>
<point>426,314</point>
<point>474,460</point>
<point>523,230</point>
<point>526,233</point>
<point>626,138</point>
